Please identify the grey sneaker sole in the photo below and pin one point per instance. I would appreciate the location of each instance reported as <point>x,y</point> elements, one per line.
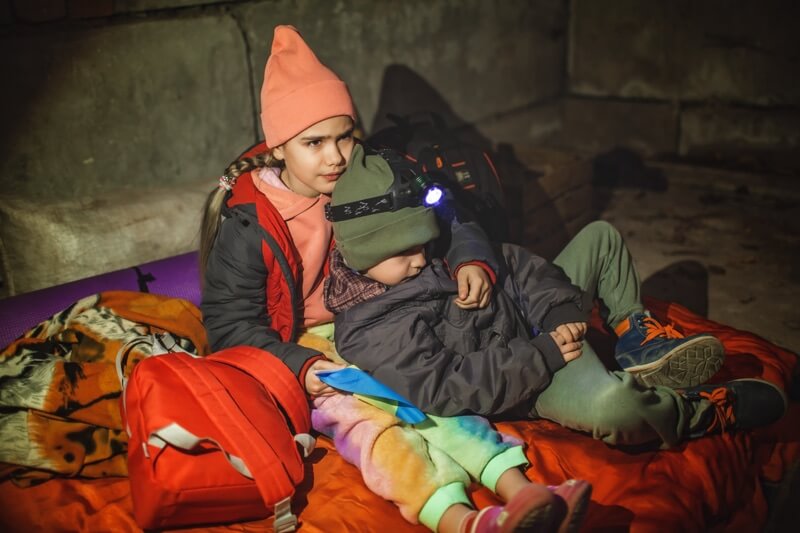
<point>690,364</point>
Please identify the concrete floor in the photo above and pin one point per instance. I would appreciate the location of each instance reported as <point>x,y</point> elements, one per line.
<point>718,245</point>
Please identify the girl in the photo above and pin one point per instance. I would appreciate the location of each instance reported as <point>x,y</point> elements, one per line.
<point>264,254</point>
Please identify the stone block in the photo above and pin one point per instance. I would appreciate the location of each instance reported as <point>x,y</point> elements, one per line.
<point>685,50</point>
<point>619,48</point>
<point>40,10</point>
<point>467,59</point>
<point>750,138</point>
<point>48,244</point>
<point>556,197</point>
<point>598,125</point>
<point>719,179</point>
<point>6,13</point>
<point>127,106</point>
<point>532,176</point>
<point>521,128</point>
<point>549,241</point>
<point>550,216</point>
<point>85,9</point>
<point>550,174</point>
<point>135,6</point>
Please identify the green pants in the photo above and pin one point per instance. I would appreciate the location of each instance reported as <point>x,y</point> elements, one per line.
<point>584,395</point>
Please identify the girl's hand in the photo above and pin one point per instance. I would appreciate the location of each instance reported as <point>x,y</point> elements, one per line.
<point>570,350</point>
<point>573,332</point>
<point>474,287</point>
<point>314,385</point>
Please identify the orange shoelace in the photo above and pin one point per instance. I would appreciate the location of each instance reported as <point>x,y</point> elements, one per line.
<point>655,329</point>
<point>723,408</point>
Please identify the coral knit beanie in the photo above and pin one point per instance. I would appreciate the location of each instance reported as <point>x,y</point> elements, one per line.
<point>298,90</point>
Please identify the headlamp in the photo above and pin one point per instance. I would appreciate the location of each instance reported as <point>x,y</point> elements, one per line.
<point>410,188</point>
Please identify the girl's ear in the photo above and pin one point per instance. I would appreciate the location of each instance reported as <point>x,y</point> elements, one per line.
<point>277,153</point>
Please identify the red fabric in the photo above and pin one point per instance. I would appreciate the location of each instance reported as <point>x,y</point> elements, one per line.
<point>707,484</point>
<point>281,303</point>
<point>219,397</point>
<point>273,375</point>
<point>301,377</point>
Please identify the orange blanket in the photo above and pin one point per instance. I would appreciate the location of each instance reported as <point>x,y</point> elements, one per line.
<point>708,484</point>
<point>59,403</point>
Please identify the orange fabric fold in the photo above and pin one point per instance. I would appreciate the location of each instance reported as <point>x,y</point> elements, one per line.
<point>709,483</point>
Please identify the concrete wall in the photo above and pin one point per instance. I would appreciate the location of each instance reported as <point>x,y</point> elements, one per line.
<point>711,80</point>
<point>120,104</point>
<point>142,93</point>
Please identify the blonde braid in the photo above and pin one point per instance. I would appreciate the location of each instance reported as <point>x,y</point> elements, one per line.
<point>212,210</point>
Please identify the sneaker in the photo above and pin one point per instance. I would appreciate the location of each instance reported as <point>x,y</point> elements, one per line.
<point>528,511</point>
<point>739,404</point>
<point>660,355</point>
<point>574,495</point>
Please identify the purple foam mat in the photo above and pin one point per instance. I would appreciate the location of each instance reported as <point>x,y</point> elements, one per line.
<point>176,276</point>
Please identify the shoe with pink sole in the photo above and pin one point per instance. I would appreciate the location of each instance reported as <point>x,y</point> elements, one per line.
<point>530,510</point>
<point>573,497</point>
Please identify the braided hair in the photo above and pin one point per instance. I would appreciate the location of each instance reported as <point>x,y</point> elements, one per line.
<point>212,210</point>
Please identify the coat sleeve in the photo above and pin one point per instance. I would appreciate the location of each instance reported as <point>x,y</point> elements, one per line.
<point>542,292</point>
<point>234,296</point>
<point>404,352</point>
<point>469,243</point>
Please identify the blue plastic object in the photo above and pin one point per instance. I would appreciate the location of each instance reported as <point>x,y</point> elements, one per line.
<point>355,380</point>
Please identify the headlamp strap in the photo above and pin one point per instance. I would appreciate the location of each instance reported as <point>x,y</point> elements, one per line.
<point>360,208</point>
<point>406,190</point>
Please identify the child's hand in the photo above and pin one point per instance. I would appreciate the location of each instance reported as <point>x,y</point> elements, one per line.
<point>571,350</point>
<point>474,287</point>
<point>573,332</point>
<point>314,385</point>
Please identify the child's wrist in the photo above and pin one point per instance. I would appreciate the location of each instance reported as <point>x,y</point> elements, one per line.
<point>301,377</point>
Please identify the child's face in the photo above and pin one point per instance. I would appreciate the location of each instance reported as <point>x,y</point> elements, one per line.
<point>397,269</point>
<point>317,156</point>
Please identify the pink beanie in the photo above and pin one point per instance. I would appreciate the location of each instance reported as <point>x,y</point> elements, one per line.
<point>298,90</point>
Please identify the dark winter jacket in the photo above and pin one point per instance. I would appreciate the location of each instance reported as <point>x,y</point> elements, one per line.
<point>251,286</point>
<point>250,294</point>
<point>450,361</point>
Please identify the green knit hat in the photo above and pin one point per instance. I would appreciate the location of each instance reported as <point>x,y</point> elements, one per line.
<point>367,240</point>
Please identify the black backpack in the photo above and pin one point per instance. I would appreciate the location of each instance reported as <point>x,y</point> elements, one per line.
<point>465,169</point>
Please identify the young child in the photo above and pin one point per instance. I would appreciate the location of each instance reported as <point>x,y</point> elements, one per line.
<point>264,254</point>
<point>521,356</point>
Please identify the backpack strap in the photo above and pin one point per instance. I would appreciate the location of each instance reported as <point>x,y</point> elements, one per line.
<point>263,460</point>
<point>276,377</point>
<point>160,343</point>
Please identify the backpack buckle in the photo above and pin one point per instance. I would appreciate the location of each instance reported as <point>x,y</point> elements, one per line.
<point>285,520</point>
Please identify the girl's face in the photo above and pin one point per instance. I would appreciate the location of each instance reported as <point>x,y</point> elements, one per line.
<point>398,268</point>
<point>316,157</point>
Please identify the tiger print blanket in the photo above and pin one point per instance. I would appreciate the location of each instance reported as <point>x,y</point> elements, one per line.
<point>59,387</point>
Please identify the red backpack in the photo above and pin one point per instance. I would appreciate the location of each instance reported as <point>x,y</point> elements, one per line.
<point>214,439</point>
